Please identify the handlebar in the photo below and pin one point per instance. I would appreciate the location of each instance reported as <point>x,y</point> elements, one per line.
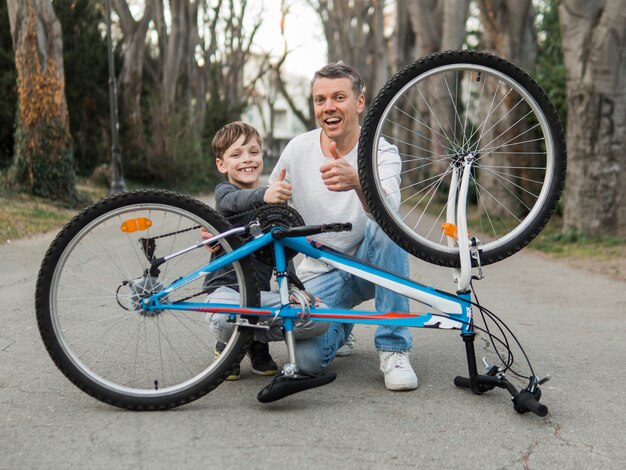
<point>523,401</point>
<point>307,230</point>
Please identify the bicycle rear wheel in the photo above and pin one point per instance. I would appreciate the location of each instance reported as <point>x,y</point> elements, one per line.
<point>435,112</point>
<point>88,298</point>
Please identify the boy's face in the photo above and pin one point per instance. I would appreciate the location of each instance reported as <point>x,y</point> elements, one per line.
<point>242,163</point>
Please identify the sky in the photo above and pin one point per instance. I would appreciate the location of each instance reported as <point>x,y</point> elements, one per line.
<point>303,31</point>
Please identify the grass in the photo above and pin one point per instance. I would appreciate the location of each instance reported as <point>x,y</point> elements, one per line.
<point>23,215</point>
<point>554,241</point>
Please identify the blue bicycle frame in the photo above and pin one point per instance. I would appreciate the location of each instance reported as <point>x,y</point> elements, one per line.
<point>456,310</point>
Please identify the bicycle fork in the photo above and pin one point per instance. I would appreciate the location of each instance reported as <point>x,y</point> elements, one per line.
<point>456,229</point>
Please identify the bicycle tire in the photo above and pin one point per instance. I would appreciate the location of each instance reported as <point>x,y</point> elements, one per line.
<point>89,315</point>
<point>493,109</point>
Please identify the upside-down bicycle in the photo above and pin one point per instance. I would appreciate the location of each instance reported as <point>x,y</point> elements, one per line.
<point>120,295</point>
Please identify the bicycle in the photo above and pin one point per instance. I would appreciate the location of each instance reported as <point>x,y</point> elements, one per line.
<point>120,293</point>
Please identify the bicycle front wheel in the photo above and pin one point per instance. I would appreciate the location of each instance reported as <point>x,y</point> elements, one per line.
<point>89,292</point>
<point>439,110</point>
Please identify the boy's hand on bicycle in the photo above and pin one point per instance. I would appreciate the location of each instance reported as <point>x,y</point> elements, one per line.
<point>279,191</point>
<point>205,234</point>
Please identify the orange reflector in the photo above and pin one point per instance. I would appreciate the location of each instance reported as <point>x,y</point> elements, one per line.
<point>451,230</point>
<point>133,225</point>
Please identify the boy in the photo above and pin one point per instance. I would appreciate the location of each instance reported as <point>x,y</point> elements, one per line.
<point>238,151</point>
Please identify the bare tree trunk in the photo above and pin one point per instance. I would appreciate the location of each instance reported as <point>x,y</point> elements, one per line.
<point>174,127</point>
<point>437,25</point>
<point>225,57</point>
<point>43,155</point>
<point>306,117</point>
<point>508,31</point>
<point>131,75</point>
<point>594,47</point>
<point>355,34</point>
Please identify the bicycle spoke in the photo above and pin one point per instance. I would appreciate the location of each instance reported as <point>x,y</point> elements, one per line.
<point>445,112</point>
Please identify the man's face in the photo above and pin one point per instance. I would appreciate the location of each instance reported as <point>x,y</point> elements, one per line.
<point>242,163</point>
<point>337,108</point>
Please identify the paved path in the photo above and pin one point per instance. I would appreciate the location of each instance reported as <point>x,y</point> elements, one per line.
<point>572,324</point>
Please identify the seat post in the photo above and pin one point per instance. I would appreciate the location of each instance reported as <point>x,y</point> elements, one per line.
<point>291,368</point>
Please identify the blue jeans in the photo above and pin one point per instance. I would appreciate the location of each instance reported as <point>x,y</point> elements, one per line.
<point>339,289</point>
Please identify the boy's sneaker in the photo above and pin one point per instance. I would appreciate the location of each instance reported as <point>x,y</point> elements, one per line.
<point>261,360</point>
<point>398,372</point>
<point>235,373</point>
<point>347,348</point>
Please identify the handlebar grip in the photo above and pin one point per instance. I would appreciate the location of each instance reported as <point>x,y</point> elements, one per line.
<point>525,401</point>
<point>462,381</point>
<point>484,383</point>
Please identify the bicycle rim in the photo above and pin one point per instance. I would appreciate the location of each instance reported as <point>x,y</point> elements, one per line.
<point>108,345</point>
<point>440,115</point>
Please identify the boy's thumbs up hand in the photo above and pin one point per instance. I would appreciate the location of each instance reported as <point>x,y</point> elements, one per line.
<point>279,191</point>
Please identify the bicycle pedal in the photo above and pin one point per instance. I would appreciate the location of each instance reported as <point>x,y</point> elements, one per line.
<point>243,322</point>
<point>283,386</point>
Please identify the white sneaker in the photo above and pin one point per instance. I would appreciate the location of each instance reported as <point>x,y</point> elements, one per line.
<point>398,372</point>
<point>347,348</point>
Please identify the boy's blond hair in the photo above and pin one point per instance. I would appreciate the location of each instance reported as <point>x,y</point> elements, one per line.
<point>229,134</point>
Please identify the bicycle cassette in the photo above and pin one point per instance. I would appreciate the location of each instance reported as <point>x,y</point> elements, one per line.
<point>276,215</point>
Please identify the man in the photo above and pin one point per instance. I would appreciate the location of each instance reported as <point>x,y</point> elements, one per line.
<point>321,167</point>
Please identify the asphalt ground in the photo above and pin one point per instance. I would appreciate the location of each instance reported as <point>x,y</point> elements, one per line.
<point>571,323</point>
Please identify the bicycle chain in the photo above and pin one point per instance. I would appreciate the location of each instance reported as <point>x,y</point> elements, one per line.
<point>265,255</point>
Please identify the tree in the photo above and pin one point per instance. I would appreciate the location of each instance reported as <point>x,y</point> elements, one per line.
<point>594,40</point>
<point>173,123</point>
<point>305,116</point>
<point>438,25</point>
<point>43,162</point>
<point>434,25</point>
<point>355,34</point>
<point>549,68</point>
<point>8,95</point>
<point>508,31</point>
<point>86,77</point>
<point>131,75</point>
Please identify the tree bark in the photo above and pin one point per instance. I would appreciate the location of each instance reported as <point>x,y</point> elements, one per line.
<point>43,155</point>
<point>132,129</point>
<point>508,31</point>
<point>594,48</point>
<point>437,25</point>
<point>354,33</point>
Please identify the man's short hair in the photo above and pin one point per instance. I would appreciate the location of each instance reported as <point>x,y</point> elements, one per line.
<point>229,134</point>
<point>341,70</point>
